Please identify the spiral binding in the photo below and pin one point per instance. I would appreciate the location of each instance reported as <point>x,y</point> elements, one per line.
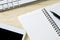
<point>54,25</point>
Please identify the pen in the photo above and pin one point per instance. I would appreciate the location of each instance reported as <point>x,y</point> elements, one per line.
<point>50,19</point>
<point>56,15</point>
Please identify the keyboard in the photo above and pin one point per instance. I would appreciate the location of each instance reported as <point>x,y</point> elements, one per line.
<point>8,4</point>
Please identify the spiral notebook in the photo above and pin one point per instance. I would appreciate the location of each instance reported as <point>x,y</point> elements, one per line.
<point>41,24</point>
<point>9,4</point>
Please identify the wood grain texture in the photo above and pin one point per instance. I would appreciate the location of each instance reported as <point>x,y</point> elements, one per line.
<point>10,16</point>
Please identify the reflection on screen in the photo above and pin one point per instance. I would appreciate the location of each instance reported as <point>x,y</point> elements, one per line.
<point>9,35</point>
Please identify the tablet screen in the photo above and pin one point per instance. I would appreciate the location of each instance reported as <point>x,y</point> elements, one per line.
<point>9,35</point>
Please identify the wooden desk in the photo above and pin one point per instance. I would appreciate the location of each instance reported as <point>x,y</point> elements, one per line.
<point>10,17</point>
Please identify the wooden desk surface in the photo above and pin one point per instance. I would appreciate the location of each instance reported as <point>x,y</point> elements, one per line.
<point>10,17</point>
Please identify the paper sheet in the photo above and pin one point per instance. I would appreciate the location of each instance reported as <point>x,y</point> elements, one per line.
<point>37,25</point>
<point>55,8</point>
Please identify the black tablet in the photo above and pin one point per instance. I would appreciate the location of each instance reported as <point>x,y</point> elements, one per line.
<point>11,33</point>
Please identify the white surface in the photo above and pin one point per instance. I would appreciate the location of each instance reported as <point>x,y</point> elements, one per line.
<point>26,1</point>
<point>10,5</point>
<point>21,1</point>
<point>14,29</point>
<point>55,8</point>
<point>5,6</point>
<point>1,7</point>
<point>10,0</point>
<point>37,26</point>
<point>13,3</point>
<point>3,1</point>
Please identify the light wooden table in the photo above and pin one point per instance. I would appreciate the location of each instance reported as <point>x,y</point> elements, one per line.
<point>10,17</point>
